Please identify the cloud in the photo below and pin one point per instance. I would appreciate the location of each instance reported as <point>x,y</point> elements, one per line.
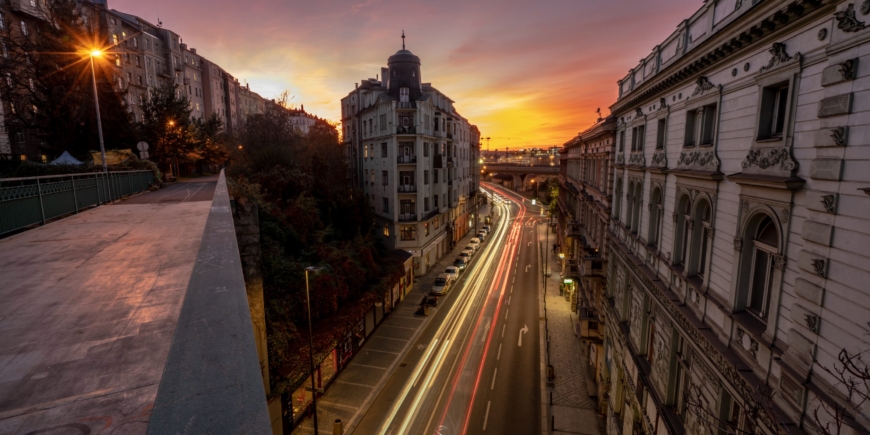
<point>531,71</point>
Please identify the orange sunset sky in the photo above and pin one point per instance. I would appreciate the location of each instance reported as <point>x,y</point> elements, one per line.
<point>527,73</point>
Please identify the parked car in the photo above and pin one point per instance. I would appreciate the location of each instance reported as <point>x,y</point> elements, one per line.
<point>481,236</point>
<point>472,248</point>
<point>487,228</point>
<point>442,284</point>
<point>453,271</point>
<point>460,263</point>
<point>474,241</point>
<point>466,254</point>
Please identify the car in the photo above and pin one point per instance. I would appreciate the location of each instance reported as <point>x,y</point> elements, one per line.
<point>486,227</point>
<point>481,236</point>
<point>453,271</point>
<point>442,284</point>
<point>466,254</point>
<point>474,241</point>
<point>473,248</point>
<point>460,263</point>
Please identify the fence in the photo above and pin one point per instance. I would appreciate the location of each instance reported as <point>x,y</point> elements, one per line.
<point>37,200</point>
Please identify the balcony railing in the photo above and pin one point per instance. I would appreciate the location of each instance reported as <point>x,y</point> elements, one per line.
<point>592,267</point>
<point>408,188</point>
<point>406,130</point>
<point>407,159</point>
<point>589,323</point>
<point>430,213</point>
<point>405,105</point>
<point>440,162</point>
<point>407,217</point>
<point>449,135</point>
<point>574,229</point>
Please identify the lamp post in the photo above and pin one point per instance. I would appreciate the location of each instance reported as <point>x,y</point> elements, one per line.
<point>98,53</point>
<point>311,269</point>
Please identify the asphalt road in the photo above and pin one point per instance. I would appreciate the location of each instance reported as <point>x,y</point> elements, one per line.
<point>476,367</point>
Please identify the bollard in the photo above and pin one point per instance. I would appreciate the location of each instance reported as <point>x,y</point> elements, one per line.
<point>337,427</point>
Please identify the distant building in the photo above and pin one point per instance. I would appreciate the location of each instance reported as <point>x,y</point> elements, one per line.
<point>415,158</point>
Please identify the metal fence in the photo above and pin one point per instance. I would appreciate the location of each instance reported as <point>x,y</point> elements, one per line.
<point>37,200</point>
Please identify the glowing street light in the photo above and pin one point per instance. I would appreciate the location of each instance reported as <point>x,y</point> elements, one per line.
<point>98,53</point>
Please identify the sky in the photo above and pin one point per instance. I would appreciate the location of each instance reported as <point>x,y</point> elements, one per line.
<point>528,73</point>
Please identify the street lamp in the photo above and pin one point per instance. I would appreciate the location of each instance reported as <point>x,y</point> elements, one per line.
<point>312,269</point>
<point>97,53</point>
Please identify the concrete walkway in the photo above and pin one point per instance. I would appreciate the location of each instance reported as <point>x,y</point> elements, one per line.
<point>90,303</point>
<point>572,410</point>
<point>356,387</point>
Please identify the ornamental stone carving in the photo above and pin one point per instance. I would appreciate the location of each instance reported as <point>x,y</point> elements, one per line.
<point>702,85</point>
<point>779,261</point>
<point>865,7</point>
<point>812,322</point>
<point>847,69</point>
<point>783,215</point>
<point>663,102</point>
<point>636,159</point>
<point>838,134</point>
<point>701,160</point>
<point>620,159</point>
<point>819,267</point>
<point>660,159</point>
<point>778,56</point>
<point>764,159</point>
<point>638,112</point>
<point>738,244</point>
<point>846,20</point>
<point>828,202</point>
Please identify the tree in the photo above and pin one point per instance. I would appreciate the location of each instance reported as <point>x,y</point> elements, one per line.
<point>851,376</point>
<point>47,84</point>
<point>211,141</point>
<point>166,123</point>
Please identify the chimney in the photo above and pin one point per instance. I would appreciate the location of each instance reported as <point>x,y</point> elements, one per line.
<point>193,50</point>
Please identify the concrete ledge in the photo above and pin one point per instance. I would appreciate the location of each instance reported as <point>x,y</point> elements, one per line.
<point>211,382</point>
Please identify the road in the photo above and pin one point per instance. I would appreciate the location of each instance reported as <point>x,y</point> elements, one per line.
<point>476,366</point>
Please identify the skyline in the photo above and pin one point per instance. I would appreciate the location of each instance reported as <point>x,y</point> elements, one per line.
<point>544,72</point>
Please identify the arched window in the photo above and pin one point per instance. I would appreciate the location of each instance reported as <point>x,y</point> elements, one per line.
<point>703,231</point>
<point>683,233</point>
<point>656,213</point>
<point>764,247</point>
<point>629,203</point>
<point>636,207</point>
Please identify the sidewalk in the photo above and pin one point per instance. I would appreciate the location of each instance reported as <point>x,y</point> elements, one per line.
<point>355,388</point>
<point>572,410</point>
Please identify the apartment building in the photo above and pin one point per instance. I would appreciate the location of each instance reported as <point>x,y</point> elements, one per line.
<point>414,157</point>
<point>736,249</point>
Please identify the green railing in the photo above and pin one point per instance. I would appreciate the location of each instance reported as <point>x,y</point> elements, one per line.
<point>37,200</point>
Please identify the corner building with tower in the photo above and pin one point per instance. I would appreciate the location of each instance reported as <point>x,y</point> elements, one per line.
<point>738,240</point>
<point>415,158</point>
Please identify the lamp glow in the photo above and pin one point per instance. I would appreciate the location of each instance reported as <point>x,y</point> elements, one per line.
<point>96,53</point>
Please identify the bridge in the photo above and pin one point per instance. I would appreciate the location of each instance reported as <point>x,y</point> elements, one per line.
<point>520,172</point>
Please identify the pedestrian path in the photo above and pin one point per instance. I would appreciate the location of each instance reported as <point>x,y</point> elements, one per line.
<point>356,387</point>
<point>572,410</point>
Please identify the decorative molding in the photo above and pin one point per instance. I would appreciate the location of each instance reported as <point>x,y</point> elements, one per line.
<point>865,7</point>
<point>620,159</point>
<point>773,156</point>
<point>747,342</point>
<point>745,206</point>
<point>819,267</point>
<point>779,261</point>
<point>738,244</point>
<point>783,215</point>
<point>848,68</point>
<point>812,322</point>
<point>660,159</point>
<point>823,34</point>
<point>846,20</point>
<point>779,56</point>
<point>638,113</point>
<point>702,85</point>
<point>829,201</point>
<point>838,134</point>
<point>636,158</point>
<point>663,102</point>
<point>699,158</point>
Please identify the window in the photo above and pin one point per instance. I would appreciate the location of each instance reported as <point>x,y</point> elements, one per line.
<point>404,95</point>
<point>117,60</point>
<point>660,134</point>
<point>617,208</point>
<point>383,122</point>
<point>386,208</point>
<point>435,204</point>
<point>637,138</point>
<point>708,126</point>
<point>774,104</point>
<point>622,141</point>
<point>24,28</point>
<point>426,177</point>
<point>691,115</point>
<point>114,39</point>
<point>384,149</point>
<point>425,204</point>
<point>385,177</point>
<point>656,214</point>
<point>426,229</point>
<point>764,247</point>
<point>682,377</point>
<point>730,415</point>
<point>435,176</point>
<point>408,232</point>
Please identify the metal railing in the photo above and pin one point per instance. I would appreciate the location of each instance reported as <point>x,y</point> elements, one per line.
<point>407,159</point>
<point>408,188</point>
<point>37,200</point>
<point>407,217</point>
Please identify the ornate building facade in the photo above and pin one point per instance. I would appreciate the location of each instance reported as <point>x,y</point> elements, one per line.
<point>415,157</point>
<point>737,247</point>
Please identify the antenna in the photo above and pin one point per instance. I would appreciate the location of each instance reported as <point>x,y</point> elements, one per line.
<point>403,39</point>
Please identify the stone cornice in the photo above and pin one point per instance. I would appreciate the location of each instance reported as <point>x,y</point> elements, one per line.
<point>715,50</point>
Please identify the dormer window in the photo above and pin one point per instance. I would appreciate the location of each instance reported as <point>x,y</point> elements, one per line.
<point>403,95</point>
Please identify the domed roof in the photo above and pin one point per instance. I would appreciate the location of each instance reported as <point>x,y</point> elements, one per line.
<point>403,56</point>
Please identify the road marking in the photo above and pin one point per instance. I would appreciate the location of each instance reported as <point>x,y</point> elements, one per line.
<point>494,374</point>
<point>486,416</point>
<point>522,331</point>
<point>509,300</point>
<point>485,329</point>
<point>527,268</point>
<point>506,313</point>
<point>502,330</point>
<point>498,357</point>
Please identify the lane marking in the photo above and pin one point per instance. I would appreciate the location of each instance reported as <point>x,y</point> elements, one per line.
<point>509,300</point>
<point>506,313</point>
<point>502,330</point>
<point>486,417</point>
<point>494,374</point>
<point>498,357</point>
<point>522,332</point>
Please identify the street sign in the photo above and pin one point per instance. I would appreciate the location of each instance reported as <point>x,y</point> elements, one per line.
<point>142,146</point>
<point>143,154</point>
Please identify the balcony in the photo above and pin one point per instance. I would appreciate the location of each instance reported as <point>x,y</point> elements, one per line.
<point>406,130</point>
<point>574,229</point>
<point>572,269</point>
<point>407,188</point>
<point>440,162</point>
<point>430,214</point>
<point>407,217</point>
<point>187,80</point>
<point>449,135</point>
<point>405,105</point>
<point>592,267</point>
<point>589,323</point>
<point>407,159</point>
<point>163,72</point>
